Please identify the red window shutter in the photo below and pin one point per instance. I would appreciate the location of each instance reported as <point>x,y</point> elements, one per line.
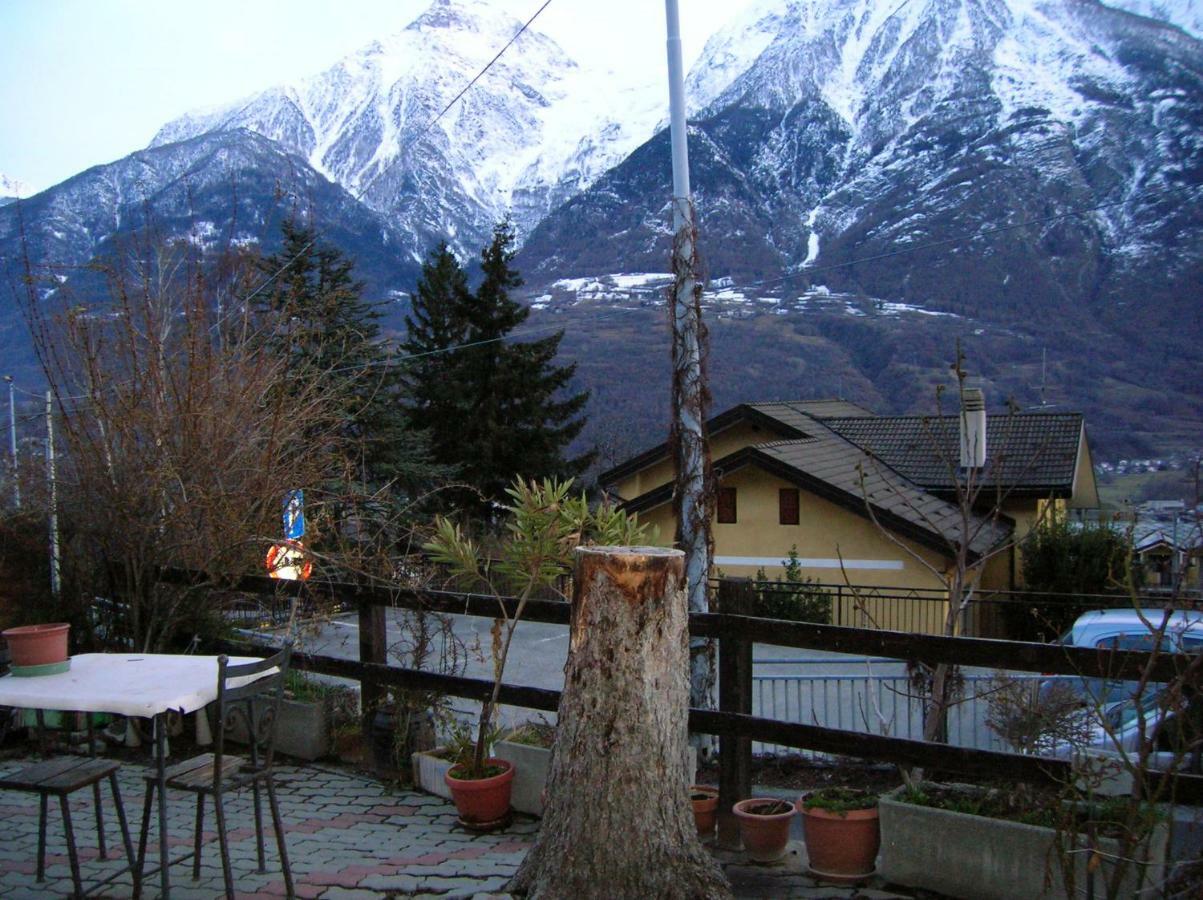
<point>726,505</point>
<point>787,506</point>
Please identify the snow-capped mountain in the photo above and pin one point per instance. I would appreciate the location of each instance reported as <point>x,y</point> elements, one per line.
<point>1186,14</point>
<point>1027,171</point>
<point>863,126</point>
<point>1033,168</point>
<point>535,130</point>
<point>216,190</point>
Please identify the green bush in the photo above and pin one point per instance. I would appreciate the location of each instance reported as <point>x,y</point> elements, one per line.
<point>1062,563</point>
<point>792,596</point>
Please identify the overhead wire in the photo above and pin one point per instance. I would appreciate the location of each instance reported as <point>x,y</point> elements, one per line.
<point>358,195</point>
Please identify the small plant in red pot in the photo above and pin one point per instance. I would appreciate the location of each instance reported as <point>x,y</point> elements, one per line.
<point>842,833</point>
<point>480,784</point>
<point>705,809</point>
<point>764,827</point>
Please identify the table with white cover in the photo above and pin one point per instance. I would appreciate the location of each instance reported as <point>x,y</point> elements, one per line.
<point>129,684</point>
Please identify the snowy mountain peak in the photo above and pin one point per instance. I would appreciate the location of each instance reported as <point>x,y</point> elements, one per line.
<point>534,130</point>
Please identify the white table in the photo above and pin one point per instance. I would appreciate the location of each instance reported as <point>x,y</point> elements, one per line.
<point>128,684</point>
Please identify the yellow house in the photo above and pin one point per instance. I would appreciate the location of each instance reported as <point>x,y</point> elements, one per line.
<point>870,501</point>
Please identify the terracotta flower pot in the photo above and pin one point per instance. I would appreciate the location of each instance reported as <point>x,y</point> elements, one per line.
<point>483,803</point>
<point>841,847</point>
<point>765,833</point>
<point>705,809</point>
<point>38,645</point>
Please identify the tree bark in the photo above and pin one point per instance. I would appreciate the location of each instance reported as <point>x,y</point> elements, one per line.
<point>617,821</point>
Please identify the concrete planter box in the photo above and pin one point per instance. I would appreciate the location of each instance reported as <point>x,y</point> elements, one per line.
<point>531,765</point>
<point>303,729</point>
<point>969,856</point>
<point>428,770</point>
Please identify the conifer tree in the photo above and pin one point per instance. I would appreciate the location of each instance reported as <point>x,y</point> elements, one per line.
<point>495,409</point>
<point>333,334</point>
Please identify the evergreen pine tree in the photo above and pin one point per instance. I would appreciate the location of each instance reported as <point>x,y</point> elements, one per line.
<point>331,333</point>
<point>495,409</point>
<point>435,325</point>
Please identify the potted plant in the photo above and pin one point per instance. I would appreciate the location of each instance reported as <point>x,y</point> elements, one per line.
<point>704,801</point>
<point>842,833</point>
<point>544,525</point>
<point>764,827</point>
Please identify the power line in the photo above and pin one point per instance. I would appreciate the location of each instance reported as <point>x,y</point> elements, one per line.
<point>409,146</point>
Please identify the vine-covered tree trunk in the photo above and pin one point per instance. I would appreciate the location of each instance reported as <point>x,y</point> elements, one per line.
<point>617,821</point>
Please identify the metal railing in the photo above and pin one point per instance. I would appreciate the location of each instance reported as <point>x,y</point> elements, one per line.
<point>1007,615</point>
<point>877,700</point>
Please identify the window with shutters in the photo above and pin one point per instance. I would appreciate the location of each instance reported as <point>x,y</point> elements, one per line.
<point>726,506</point>
<point>787,506</point>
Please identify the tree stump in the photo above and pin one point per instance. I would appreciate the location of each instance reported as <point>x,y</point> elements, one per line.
<point>618,821</point>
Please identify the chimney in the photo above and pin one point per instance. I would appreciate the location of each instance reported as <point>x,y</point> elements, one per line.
<point>973,429</point>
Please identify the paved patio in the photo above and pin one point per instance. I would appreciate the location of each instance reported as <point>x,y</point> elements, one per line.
<point>349,836</point>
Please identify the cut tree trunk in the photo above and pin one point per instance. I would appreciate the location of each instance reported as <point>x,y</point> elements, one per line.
<point>618,820</point>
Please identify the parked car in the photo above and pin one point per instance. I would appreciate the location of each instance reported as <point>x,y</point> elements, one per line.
<point>1123,713</point>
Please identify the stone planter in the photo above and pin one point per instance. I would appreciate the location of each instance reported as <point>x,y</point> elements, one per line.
<point>303,729</point>
<point>969,856</point>
<point>430,772</point>
<point>531,765</point>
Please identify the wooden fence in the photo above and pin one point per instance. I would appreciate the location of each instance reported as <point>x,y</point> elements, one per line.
<point>735,633</point>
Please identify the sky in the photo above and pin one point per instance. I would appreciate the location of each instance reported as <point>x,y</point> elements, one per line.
<point>84,82</point>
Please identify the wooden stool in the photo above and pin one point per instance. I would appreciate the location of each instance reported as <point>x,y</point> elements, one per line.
<point>61,777</point>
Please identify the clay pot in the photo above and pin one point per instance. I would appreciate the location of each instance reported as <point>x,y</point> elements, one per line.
<point>38,645</point>
<point>704,801</point>
<point>765,834</point>
<point>841,847</point>
<point>483,803</point>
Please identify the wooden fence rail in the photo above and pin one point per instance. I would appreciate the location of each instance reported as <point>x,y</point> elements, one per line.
<point>736,633</point>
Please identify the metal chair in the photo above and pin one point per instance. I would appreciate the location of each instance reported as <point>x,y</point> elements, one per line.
<point>61,778</point>
<point>212,774</point>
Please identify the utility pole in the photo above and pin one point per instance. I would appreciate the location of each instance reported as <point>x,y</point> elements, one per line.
<point>56,578</point>
<point>691,451</point>
<point>12,442</point>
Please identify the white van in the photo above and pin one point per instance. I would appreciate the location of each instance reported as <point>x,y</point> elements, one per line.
<point>1123,712</point>
<point>1137,629</point>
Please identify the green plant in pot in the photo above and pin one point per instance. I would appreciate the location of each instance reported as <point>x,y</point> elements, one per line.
<point>544,524</point>
<point>842,833</point>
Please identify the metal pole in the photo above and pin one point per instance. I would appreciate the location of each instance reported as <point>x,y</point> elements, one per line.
<point>691,451</point>
<point>55,562</point>
<point>12,442</point>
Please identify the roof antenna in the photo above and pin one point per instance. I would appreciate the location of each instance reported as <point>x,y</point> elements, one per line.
<point>1043,362</point>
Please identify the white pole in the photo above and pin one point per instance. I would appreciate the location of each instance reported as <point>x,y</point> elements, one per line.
<point>12,442</point>
<point>55,563</point>
<point>691,451</point>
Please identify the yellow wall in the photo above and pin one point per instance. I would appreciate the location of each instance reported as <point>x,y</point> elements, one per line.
<point>826,533</point>
<point>724,443</point>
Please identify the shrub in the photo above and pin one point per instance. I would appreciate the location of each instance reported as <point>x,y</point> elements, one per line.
<point>792,596</point>
<point>1062,561</point>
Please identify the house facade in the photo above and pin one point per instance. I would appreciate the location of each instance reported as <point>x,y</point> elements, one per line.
<point>870,501</point>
